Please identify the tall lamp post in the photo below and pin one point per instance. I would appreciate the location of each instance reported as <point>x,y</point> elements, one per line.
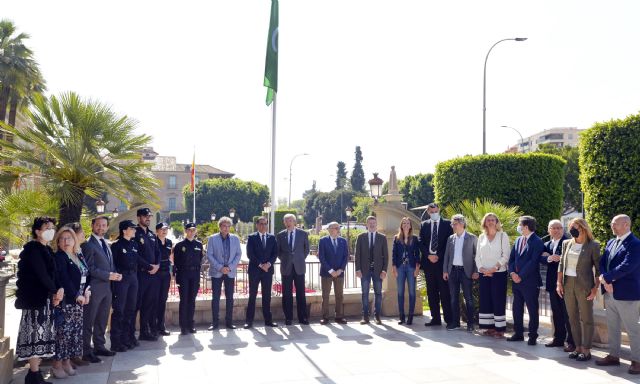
<point>349,212</point>
<point>375,185</point>
<point>290,173</point>
<point>521,139</point>
<point>484,93</point>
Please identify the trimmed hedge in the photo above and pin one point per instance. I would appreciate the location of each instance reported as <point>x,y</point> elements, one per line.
<point>610,173</point>
<point>531,181</point>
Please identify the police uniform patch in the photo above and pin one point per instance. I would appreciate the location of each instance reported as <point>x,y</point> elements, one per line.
<point>124,250</point>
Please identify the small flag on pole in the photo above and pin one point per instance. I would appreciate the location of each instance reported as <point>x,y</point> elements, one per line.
<point>193,173</point>
<point>271,64</point>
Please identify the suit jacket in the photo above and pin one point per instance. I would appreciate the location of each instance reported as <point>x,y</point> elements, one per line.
<point>258,255</point>
<point>526,264</point>
<point>331,258</point>
<point>100,265</point>
<point>380,253</point>
<point>413,250</point>
<point>468,254</point>
<point>69,276</point>
<point>552,267</point>
<point>588,259</point>
<point>444,231</point>
<point>624,268</point>
<point>293,258</point>
<point>215,255</point>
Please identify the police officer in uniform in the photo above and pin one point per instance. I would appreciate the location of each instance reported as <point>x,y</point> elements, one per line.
<point>187,259</point>
<point>148,283</point>
<point>164,275</point>
<point>125,291</point>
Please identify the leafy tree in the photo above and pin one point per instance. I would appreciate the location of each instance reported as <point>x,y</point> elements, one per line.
<point>341,175</point>
<point>362,208</point>
<point>357,176</point>
<point>417,190</point>
<point>572,190</point>
<point>17,211</point>
<point>220,195</point>
<point>310,192</point>
<point>79,147</point>
<point>331,205</point>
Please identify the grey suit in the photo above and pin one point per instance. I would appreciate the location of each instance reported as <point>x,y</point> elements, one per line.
<point>293,268</point>
<point>96,313</point>
<point>461,275</point>
<point>371,262</point>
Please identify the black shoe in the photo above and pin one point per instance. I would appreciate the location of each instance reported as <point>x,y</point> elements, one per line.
<point>164,332</point>
<point>119,348</point>
<point>212,327</point>
<point>304,322</point>
<point>270,324</point>
<point>365,320</point>
<point>341,320</point>
<point>91,358</point>
<point>432,323</point>
<point>532,341</point>
<point>410,320</point>
<point>378,321</point>
<point>288,322</point>
<point>583,357</point>
<point>451,327</point>
<point>515,337</point>
<point>230,326</point>
<point>324,321</point>
<point>192,330</point>
<point>554,343</point>
<point>248,326</point>
<point>147,338</point>
<point>401,320</point>
<point>134,343</point>
<point>104,352</point>
<point>40,379</point>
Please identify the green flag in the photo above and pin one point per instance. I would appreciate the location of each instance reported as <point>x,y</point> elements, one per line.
<point>271,64</point>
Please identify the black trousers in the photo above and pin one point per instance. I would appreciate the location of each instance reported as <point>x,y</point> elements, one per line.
<point>264,279</point>
<point>147,301</point>
<point>216,287</point>
<point>188,285</point>
<point>164,280</point>
<point>123,317</point>
<point>437,292</point>
<point>561,327</point>
<point>288,282</point>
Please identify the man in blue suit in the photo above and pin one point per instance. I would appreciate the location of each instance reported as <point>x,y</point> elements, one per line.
<point>262,252</point>
<point>524,269</point>
<point>333,254</point>
<point>223,253</point>
<point>620,279</point>
<point>551,258</point>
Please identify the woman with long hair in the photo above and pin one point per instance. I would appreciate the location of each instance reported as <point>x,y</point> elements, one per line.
<point>406,266</point>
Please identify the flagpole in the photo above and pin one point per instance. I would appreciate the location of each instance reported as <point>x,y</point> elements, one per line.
<point>272,214</point>
<point>194,184</point>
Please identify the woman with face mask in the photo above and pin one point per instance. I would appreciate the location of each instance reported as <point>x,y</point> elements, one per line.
<point>578,284</point>
<point>38,292</point>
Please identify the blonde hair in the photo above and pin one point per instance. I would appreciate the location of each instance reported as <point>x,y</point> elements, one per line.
<point>582,224</point>
<point>400,235</point>
<point>56,239</point>
<point>484,218</point>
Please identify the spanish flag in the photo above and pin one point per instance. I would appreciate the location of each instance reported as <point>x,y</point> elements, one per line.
<point>193,173</point>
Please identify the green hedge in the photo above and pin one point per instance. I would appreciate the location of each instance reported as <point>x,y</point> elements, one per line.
<point>278,219</point>
<point>610,173</point>
<point>531,181</point>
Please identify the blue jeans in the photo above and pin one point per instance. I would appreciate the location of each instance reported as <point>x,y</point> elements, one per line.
<point>377,290</point>
<point>405,272</point>
<point>458,278</point>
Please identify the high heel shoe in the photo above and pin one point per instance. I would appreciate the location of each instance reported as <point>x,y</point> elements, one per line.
<point>59,373</point>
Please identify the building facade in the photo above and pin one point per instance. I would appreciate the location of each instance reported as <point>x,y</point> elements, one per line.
<point>559,137</point>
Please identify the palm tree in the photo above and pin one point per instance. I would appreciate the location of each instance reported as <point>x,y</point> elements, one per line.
<point>474,210</point>
<point>79,147</point>
<point>17,211</point>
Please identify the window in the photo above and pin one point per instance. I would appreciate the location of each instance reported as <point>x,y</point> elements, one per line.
<point>172,182</point>
<point>172,204</point>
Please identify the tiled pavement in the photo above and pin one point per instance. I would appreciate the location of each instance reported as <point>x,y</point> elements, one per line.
<point>351,353</point>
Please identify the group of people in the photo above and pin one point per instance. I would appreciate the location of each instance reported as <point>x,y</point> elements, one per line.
<point>68,286</point>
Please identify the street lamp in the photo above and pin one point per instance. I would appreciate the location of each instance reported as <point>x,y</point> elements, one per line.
<point>232,213</point>
<point>484,94</point>
<point>521,139</point>
<point>100,206</point>
<point>213,216</point>
<point>266,207</point>
<point>349,212</point>
<point>375,185</point>
<point>290,167</point>
<point>115,213</point>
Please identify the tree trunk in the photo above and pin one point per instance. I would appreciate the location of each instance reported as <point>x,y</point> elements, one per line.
<point>69,212</point>
<point>13,110</point>
<point>4,100</point>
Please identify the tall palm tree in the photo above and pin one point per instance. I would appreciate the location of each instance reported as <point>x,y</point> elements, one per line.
<point>79,147</point>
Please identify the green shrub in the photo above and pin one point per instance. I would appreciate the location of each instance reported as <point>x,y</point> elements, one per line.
<point>610,173</point>
<point>278,219</point>
<point>531,181</point>
<point>179,216</point>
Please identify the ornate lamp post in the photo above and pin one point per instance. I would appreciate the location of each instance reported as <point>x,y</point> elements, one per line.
<point>375,185</point>
<point>100,206</point>
<point>213,216</point>
<point>349,212</point>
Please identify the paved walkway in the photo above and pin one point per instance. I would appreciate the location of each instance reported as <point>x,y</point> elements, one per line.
<point>352,353</point>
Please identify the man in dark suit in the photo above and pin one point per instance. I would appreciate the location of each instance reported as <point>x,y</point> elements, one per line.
<point>434,233</point>
<point>620,279</point>
<point>333,255</point>
<point>551,258</point>
<point>293,248</point>
<point>372,259</point>
<point>524,269</point>
<point>262,252</point>
<point>103,272</point>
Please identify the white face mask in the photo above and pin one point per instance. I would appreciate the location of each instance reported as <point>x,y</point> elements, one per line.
<point>48,234</point>
<point>435,216</point>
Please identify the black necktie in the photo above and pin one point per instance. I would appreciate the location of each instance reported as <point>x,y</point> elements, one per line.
<point>291,240</point>
<point>264,242</point>
<point>434,237</point>
<point>105,249</point>
<point>335,245</point>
